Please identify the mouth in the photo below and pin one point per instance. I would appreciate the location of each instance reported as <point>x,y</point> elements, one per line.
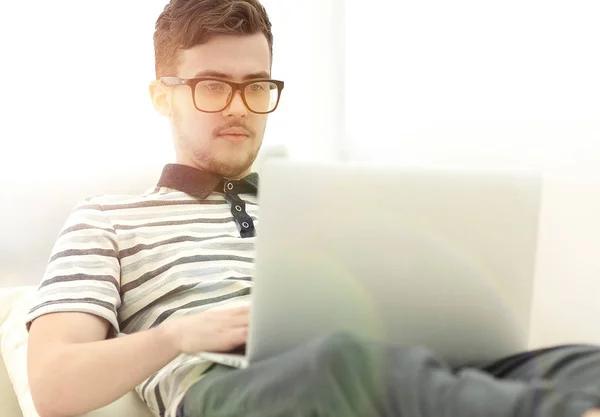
<point>234,135</point>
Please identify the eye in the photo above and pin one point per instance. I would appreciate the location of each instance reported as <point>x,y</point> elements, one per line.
<point>214,86</point>
<point>258,87</point>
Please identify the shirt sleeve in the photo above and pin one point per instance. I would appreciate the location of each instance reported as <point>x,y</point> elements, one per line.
<point>83,272</point>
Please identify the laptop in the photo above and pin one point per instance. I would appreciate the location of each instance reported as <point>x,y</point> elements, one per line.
<point>440,258</point>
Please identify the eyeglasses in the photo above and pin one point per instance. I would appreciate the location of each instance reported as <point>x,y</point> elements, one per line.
<point>213,95</point>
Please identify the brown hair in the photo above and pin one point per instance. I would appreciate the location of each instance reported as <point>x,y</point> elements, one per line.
<point>184,24</point>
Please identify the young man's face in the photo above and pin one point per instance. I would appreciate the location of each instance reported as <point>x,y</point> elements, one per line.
<point>227,142</point>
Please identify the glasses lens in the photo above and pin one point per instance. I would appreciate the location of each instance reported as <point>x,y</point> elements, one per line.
<point>262,96</point>
<point>212,95</point>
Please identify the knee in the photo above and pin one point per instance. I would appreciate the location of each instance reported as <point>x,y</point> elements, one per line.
<point>338,341</point>
<point>341,348</point>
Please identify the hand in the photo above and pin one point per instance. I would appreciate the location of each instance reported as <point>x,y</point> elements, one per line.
<point>216,330</point>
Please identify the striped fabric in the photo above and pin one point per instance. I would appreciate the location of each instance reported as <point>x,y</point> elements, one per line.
<point>138,261</point>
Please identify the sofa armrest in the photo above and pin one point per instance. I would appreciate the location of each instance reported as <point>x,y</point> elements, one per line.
<point>9,405</point>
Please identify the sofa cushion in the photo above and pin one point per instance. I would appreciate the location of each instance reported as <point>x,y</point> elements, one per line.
<point>13,345</point>
<point>9,405</point>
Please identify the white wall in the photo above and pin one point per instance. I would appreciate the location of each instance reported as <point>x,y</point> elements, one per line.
<point>308,38</point>
<point>77,99</point>
<point>416,69</point>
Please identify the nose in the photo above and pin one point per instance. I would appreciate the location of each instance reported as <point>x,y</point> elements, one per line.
<point>237,107</point>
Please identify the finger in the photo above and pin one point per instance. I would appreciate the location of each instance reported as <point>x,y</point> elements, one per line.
<point>239,314</point>
<point>235,311</point>
<point>241,310</point>
<point>238,321</point>
<point>235,338</point>
<point>239,336</point>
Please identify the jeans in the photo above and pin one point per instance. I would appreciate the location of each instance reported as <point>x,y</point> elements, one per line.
<point>343,376</point>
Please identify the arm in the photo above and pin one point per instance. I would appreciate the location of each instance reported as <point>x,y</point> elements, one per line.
<point>73,369</point>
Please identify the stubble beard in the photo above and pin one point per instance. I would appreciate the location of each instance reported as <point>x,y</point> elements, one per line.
<point>235,163</point>
<point>229,166</point>
<point>232,168</point>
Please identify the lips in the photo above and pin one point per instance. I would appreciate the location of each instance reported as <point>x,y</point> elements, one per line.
<point>234,134</point>
<point>234,131</point>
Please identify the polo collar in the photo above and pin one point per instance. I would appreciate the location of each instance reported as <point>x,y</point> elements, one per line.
<point>201,183</point>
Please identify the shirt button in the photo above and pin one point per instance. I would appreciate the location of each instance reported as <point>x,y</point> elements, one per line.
<point>245,225</point>
<point>238,208</point>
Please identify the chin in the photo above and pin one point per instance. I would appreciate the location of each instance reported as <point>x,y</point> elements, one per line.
<point>229,168</point>
<point>226,161</point>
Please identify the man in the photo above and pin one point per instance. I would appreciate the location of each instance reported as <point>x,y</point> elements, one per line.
<point>170,270</point>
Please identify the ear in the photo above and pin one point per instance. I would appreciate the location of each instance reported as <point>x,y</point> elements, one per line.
<point>161,98</point>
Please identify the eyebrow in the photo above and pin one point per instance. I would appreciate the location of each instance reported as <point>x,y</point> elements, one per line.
<point>218,74</point>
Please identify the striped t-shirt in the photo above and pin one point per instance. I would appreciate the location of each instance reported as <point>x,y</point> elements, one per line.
<point>180,248</point>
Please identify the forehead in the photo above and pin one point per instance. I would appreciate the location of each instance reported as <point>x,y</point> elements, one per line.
<point>237,55</point>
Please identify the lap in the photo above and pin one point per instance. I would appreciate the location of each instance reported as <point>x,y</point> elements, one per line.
<point>352,376</point>
<point>293,380</point>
